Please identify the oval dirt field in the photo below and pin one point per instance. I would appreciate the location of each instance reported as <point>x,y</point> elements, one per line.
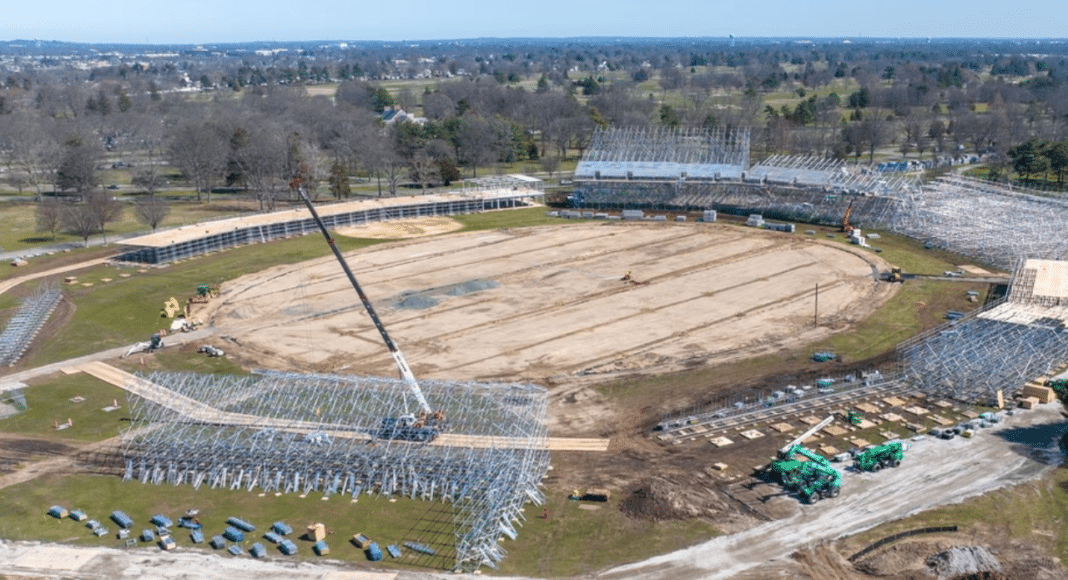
<point>533,303</point>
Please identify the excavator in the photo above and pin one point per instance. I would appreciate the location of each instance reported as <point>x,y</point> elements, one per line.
<point>423,427</point>
<point>813,479</point>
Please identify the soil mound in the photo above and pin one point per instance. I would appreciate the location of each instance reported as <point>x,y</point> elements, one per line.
<point>658,500</point>
<point>966,563</point>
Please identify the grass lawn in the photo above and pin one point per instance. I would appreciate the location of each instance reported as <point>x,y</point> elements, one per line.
<point>48,401</point>
<point>572,541</point>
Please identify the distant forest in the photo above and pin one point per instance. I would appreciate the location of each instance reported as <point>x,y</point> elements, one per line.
<point>249,117</point>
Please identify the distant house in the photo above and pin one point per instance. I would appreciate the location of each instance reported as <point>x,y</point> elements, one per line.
<point>395,114</point>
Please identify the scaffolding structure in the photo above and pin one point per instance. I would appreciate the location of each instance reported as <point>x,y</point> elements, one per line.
<point>781,202</point>
<point>999,347</point>
<point>833,175</point>
<point>297,433</point>
<point>665,153</point>
<point>992,223</point>
<point>27,322</point>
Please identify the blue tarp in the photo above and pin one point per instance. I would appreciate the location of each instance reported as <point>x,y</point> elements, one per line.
<point>272,537</point>
<point>162,521</point>
<point>288,547</point>
<point>374,554</point>
<point>257,550</point>
<point>233,534</point>
<point>321,548</point>
<point>196,536</point>
<point>218,542</point>
<point>121,519</point>
<point>281,528</point>
<point>240,524</point>
<point>235,550</point>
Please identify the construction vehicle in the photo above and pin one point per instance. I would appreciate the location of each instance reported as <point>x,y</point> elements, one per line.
<point>204,294</point>
<point>423,427</point>
<point>855,418</point>
<point>846,226</point>
<point>813,478</point>
<point>876,458</point>
<point>894,275</point>
<point>154,343</point>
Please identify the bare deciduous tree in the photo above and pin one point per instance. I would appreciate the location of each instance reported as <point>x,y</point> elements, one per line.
<point>151,211</point>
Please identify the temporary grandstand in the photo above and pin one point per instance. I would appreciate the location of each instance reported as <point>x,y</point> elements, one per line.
<point>298,433</point>
<point>993,223</point>
<point>1000,347</point>
<point>188,241</point>
<point>27,322</point>
<point>661,153</point>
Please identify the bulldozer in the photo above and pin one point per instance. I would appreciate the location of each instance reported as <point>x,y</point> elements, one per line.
<point>204,294</point>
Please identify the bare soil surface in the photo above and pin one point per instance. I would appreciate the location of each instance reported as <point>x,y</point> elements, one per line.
<point>406,228</point>
<point>550,304</point>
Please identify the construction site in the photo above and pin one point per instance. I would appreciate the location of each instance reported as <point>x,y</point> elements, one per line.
<point>655,348</point>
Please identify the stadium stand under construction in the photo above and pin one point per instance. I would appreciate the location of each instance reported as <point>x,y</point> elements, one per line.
<point>299,433</point>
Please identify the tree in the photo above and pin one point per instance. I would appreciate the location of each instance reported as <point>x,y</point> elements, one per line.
<point>77,166</point>
<point>151,211</point>
<point>339,181</point>
<point>199,150</point>
<point>550,163</point>
<point>49,215</point>
<point>1057,154</point>
<point>668,116</point>
<point>448,170</point>
<point>102,209</point>
<point>1027,159</point>
<point>77,221</point>
<point>423,169</point>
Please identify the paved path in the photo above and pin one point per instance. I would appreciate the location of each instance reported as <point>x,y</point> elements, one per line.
<point>10,283</point>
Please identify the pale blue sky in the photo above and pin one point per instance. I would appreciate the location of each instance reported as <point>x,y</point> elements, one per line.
<point>204,21</point>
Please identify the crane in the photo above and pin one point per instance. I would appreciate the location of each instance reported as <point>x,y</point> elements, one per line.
<point>408,426</point>
<point>813,479</point>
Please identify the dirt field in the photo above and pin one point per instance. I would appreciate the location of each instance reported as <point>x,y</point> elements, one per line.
<point>547,304</point>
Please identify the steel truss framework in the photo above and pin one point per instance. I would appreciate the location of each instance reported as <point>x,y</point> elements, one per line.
<point>1000,347</point>
<point>665,153</point>
<point>989,222</point>
<point>294,433</point>
<point>27,322</point>
<point>781,202</point>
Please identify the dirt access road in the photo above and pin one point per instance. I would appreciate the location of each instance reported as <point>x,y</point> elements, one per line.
<point>935,472</point>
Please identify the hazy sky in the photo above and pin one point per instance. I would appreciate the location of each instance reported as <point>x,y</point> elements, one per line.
<point>204,21</point>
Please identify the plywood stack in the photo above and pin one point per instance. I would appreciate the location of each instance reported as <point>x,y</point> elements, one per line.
<point>316,532</point>
<point>1043,394</point>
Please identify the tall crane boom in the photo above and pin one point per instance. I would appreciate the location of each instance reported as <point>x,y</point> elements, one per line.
<point>398,357</point>
<point>786,449</point>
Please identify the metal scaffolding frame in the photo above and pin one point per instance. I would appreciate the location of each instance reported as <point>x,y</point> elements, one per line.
<point>993,223</point>
<point>999,347</point>
<point>288,432</point>
<point>27,322</point>
<point>665,153</point>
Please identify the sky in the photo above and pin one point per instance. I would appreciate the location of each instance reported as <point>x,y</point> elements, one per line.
<point>220,21</point>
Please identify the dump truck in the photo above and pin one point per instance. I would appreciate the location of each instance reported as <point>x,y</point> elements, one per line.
<point>876,458</point>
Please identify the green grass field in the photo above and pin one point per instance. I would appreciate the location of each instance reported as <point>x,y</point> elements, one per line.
<point>53,400</point>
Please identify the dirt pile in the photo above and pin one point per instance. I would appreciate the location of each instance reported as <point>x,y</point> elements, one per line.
<point>661,500</point>
<point>966,563</point>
